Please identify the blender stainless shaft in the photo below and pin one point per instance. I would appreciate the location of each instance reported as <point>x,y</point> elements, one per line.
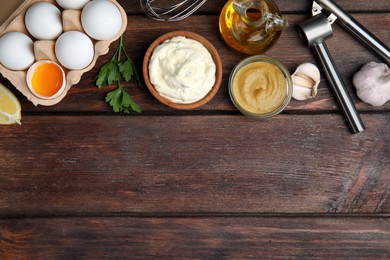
<point>356,29</point>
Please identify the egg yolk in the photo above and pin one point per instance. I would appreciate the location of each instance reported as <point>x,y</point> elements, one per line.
<point>47,79</point>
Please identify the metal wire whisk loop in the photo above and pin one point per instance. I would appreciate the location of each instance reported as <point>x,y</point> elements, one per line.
<point>175,12</point>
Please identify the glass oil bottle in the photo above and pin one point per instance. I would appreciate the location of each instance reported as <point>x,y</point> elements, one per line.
<point>251,26</point>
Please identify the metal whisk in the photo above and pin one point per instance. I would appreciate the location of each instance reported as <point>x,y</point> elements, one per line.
<point>174,12</point>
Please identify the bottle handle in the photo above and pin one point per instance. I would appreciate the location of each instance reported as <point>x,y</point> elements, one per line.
<point>270,20</point>
<point>274,21</point>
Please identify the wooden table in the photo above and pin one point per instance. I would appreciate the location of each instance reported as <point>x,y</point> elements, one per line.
<point>79,181</point>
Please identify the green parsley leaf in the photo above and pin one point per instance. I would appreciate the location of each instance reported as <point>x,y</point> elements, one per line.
<point>102,77</point>
<point>120,101</point>
<point>114,99</point>
<point>127,102</point>
<point>114,71</point>
<point>126,70</point>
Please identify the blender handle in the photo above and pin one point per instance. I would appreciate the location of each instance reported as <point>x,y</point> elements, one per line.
<point>338,88</point>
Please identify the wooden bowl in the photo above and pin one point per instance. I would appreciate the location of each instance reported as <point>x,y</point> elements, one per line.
<point>210,48</point>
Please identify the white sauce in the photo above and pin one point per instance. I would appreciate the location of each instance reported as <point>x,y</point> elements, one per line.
<point>182,70</point>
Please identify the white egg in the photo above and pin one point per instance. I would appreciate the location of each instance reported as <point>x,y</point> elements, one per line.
<point>16,51</point>
<point>74,50</point>
<point>101,19</point>
<point>72,4</point>
<point>43,21</point>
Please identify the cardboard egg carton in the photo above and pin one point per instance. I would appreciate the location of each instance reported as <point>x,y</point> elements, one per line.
<point>44,49</point>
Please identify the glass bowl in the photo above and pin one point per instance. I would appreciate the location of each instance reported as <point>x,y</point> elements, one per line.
<point>260,86</point>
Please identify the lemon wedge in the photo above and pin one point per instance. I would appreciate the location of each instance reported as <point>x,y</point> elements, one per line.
<point>10,110</point>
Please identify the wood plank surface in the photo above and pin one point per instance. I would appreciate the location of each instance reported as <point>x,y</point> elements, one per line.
<point>200,238</point>
<point>194,164</point>
<point>80,182</point>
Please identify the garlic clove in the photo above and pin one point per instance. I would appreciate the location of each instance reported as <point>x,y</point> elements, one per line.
<point>372,83</point>
<point>310,70</point>
<point>306,79</point>
<point>301,93</point>
<point>301,81</point>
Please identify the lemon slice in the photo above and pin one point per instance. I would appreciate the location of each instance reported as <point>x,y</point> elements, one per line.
<point>10,110</point>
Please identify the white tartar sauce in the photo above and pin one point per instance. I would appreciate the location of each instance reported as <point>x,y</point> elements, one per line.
<point>182,70</point>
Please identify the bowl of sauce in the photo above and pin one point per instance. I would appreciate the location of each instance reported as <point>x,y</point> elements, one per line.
<point>182,70</point>
<point>260,86</point>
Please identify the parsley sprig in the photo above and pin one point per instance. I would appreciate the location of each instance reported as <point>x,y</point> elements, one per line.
<point>117,70</point>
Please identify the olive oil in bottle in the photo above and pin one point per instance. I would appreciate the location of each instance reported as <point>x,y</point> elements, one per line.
<point>251,26</point>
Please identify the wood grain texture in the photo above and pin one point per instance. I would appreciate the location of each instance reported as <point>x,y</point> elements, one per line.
<point>301,164</point>
<point>201,238</point>
<point>80,182</point>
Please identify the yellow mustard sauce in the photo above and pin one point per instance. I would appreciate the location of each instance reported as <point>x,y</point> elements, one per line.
<point>259,87</point>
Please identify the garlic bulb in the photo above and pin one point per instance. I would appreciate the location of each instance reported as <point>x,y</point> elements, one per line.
<point>372,83</point>
<point>305,81</point>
